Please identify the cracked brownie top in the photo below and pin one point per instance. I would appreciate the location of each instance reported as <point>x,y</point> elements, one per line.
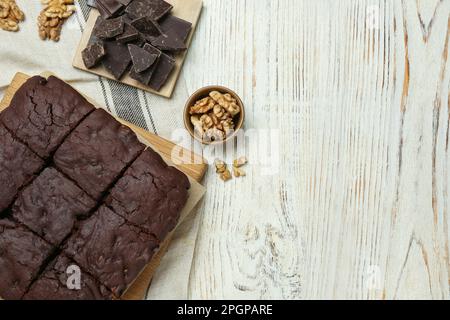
<point>111,250</point>
<point>51,206</point>
<point>17,166</point>
<point>97,151</point>
<point>150,194</point>
<point>21,256</point>
<point>43,112</point>
<point>54,283</point>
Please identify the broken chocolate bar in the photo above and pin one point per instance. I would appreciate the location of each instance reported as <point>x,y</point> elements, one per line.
<point>169,41</point>
<point>179,26</point>
<point>93,38</point>
<point>145,76</point>
<point>125,28</point>
<point>142,59</point>
<point>147,26</point>
<point>109,8</point>
<point>156,9</point>
<point>162,72</point>
<point>109,28</point>
<point>129,34</point>
<point>93,54</point>
<point>117,58</point>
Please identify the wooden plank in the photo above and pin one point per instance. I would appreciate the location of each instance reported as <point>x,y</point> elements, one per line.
<point>359,205</point>
<point>139,288</point>
<point>196,169</point>
<point>188,10</point>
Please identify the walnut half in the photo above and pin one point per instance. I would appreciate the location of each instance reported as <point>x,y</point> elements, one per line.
<point>52,18</point>
<point>10,15</point>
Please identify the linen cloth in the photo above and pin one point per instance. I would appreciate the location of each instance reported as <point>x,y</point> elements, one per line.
<point>25,52</point>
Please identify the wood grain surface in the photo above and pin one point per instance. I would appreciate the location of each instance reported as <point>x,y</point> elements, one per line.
<point>359,207</point>
<point>139,288</point>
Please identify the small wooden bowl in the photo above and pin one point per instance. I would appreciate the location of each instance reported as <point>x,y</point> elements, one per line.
<point>203,93</point>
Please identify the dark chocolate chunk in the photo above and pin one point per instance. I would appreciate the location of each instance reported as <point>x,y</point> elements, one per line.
<point>22,255</point>
<point>147,26</point>
<point>109,28</point>
<point>17,167</point>
<point>162,72</point>
<point>140,41</point>
<point>129,34</point>
<point>117,58</point>
<point>124,2</point>
<point>43,112</point>
<point>169,41</point>
<point>156,9</point>
<point>51,206</point>
<point>92,54</point>
<point>104,14</point>
<point>93,38</point>
<point>179,26</point>
<point>53,284</point>
<point>97,151</point>
<point>142,59</point>
<point>150,194</point>
<point>144,77</point>
<point>111,250</point>
<point>109,8</point>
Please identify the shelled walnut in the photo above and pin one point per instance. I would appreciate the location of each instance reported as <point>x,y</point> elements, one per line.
<point>237,164</point>
<point>225,174</point>
<point>226,101</point>
<point>222,170</point>
<point>10,15</point>
<point>52,18</point>
<point>240,162</point>
<point>213,116</point>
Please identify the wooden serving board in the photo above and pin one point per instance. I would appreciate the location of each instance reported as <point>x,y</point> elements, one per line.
<point>196,171</point>
<point>188,10</point>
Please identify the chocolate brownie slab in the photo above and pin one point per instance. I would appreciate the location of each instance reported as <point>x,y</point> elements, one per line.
<point>18,164</point>
<point>111,250</point>
<point>150,194</point>
<point>51,206</point>
<point>21,256</point>
<point>43,112</point>
<point>97,151</point>
<point>55,284</point>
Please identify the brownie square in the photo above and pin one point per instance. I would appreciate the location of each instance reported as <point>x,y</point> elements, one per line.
<point>112,251</point>
<point>97,151</point>
<point>18,164</point>
<point>54,283</point>
<point>21,256</point>
<point>51,206</point>
<point>150,194</point>
<point>43,112</point>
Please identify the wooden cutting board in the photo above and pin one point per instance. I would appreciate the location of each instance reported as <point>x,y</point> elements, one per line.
<point>188,10</point>
<point>196,171</point>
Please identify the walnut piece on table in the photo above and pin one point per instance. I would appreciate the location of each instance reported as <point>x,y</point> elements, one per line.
<point>10,15</point>
<point>52,18</point>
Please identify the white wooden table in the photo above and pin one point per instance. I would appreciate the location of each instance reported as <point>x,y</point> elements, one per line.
<point>359,208</point>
